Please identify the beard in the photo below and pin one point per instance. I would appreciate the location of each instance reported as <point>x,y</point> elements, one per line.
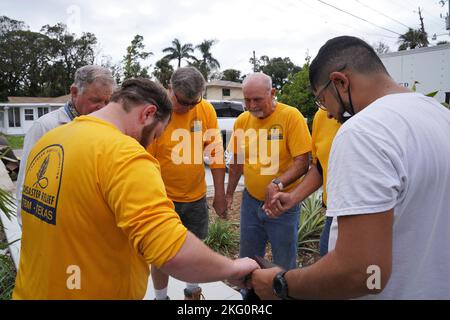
<point>257,114</point>
<point>147,135</point>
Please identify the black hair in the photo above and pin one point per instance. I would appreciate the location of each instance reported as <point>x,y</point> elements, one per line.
<point>345,51</point>
<point>138,91</point>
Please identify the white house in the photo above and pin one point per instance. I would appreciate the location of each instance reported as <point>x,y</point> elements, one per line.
<point>18,114</point>
<point>224,90</point>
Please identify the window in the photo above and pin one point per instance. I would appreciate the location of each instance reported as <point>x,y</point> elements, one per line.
<point>14,117</point>
<point>29,114</point>
<point>226,92</point>
<point>2,115</point>
<point>228,109</point>
<point>42,111</point>
<point>447,97</point>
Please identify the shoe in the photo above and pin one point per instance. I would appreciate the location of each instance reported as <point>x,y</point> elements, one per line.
<point>167,298</point>
<point>193,294</point>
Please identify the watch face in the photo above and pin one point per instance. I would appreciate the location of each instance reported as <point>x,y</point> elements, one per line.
<point>279,285</point>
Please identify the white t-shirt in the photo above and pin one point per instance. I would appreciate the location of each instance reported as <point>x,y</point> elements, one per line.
<point>396,154</point>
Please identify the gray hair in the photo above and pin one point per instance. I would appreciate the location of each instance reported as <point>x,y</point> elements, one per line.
<point>188,81</point>
<point>264,79</point>
<point>86,75</point>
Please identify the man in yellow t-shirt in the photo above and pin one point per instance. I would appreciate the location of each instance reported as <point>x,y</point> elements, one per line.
<point>90,229</point>
<point>192,130</point>
<point>271,144</point>
<point>323,133</point>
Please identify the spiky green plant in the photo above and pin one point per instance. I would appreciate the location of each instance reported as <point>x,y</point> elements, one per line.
<point>7,269</point>
<point>312,221</point>
<point>222,237</point>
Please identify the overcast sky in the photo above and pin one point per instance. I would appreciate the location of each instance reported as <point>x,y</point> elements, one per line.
<point>284,28</point>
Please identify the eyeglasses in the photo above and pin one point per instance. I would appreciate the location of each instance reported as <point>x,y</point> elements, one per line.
<point>187,104</point>
<point>317,99</point>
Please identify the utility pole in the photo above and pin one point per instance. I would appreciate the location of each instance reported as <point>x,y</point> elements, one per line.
<point>422,26</point>
<point>254,61</point>
<point>448,16</point>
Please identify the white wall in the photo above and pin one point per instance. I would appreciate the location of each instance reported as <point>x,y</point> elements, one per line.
<point>429,66</point>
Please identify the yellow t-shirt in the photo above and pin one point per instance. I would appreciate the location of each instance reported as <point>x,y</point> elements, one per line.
<point>267,147</point>
<point>323,133</point>
<point>180,151</point>
<point>95,215</point>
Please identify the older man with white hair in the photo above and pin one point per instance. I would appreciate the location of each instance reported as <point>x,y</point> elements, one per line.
<point>271,141</point>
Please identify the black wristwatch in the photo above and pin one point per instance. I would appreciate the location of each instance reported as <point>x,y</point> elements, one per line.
<point>280,286</point>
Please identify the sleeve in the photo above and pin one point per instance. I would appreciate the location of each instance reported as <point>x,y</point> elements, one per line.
<point>313,139</point>
<point>299,137</point>
<point>213,139</point>
<point>135,192</point>
<point>32,136</point>
<point>365,175</point>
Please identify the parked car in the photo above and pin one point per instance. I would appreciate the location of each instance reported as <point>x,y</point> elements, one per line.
<point>227,112</point>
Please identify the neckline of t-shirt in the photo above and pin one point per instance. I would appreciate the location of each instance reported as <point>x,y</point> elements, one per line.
<point>92,118</point>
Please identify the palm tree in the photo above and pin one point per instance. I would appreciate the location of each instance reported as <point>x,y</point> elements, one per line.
<point>413,39</point>
<point>207,63</point>
<point>179,52</point>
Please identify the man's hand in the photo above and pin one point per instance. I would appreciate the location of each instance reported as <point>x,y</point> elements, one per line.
<point>220,206</point>
<point>261,282</point>
<point>229,200</point>
<point>242,268</point>
<point>271,191</point>
<point>281,202</point>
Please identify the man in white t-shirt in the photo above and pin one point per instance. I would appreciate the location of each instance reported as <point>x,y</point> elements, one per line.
<point>388,187</point>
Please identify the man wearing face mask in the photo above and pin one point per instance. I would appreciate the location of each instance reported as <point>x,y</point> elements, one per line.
<point>270,143</point>
<point>95,210</point>
<point>192,131</point>
<point>388,187</point>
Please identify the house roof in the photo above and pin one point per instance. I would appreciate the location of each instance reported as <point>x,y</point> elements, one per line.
<point>225,84</point>
<point>19,100</point>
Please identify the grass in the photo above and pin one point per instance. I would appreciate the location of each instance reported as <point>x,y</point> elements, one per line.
<point>15,142</point>
<point>222,237</point>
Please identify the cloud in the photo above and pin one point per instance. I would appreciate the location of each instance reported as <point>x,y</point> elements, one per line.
<point>285,28</point>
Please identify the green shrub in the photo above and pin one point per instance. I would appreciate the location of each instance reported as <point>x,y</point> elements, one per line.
<point>15,142</point>
<point>312,221</point>
<point>222,237</point>
<point>7,269</point>
<point>7,277</point>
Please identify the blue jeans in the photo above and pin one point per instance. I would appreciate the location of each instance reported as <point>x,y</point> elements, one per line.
<point>325,236</point>
<point>256,229</point>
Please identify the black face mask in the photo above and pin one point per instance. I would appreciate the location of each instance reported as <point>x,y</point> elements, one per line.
<point>346,111</point>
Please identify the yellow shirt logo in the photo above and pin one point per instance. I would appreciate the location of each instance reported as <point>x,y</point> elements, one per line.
<point>42,184</point>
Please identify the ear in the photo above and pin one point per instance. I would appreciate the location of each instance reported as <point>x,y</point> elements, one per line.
<point>340,80</point>
<point>149,111</point>
<point>73,91</point>
<point>273,91</point>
